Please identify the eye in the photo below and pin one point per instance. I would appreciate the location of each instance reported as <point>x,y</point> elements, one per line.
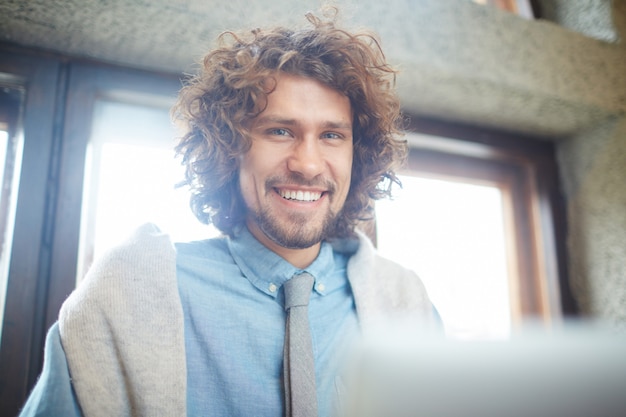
<point>331,135</point>
<point>279,132</point>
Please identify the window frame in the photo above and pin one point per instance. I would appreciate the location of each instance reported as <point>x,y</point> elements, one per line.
<point>23,331</point>
<point>87,84</point>
<point>525,167</point>
<point>58,105</point>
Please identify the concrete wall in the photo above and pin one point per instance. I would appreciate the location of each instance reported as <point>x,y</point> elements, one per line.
<point>485,66</point>
<point>593,164</point>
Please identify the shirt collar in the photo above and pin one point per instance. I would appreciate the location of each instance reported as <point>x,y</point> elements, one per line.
<point>267,271</point>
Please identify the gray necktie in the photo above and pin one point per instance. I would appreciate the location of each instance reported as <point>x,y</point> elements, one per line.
<point>299,365</point>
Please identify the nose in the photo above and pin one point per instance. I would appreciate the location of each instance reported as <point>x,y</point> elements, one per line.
<point>306,158</point>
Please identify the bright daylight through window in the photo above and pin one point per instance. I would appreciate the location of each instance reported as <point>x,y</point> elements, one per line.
<point>130,179</point>
<point>4,138</point>
<point>452,235</point>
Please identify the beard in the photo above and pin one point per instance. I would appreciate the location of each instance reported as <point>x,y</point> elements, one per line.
<point>295,231</point>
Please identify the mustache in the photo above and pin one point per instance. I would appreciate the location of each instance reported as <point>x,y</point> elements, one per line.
<point>298,180</point>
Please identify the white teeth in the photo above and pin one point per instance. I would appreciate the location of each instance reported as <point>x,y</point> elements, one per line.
<point>300,195</point>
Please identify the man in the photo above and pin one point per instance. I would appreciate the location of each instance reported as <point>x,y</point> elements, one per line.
<point>289,137</point>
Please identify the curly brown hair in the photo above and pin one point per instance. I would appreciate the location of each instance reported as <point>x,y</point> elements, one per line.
<point>232,87</point>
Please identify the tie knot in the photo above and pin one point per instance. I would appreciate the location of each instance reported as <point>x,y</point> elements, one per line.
<point>298,290</point>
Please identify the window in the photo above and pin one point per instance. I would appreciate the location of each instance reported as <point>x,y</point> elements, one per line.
<point>107,108</point>
<point>130,177</point>
<point>11,97</point>
<point>479,220</point>
<point>29,88</point>
<point>452,234</point>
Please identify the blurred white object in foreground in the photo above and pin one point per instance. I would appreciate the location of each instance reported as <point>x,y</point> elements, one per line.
<point>577,371</point>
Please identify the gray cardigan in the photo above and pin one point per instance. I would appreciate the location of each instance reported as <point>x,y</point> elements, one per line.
<point>122,328</point>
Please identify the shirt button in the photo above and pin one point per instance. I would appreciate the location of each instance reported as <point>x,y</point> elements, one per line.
<point>273,287</point>
<point>320,287</point>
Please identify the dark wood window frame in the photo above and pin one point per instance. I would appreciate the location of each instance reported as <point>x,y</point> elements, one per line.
<point>57,116</point>
<point>526,168</point>
<point>87,84</point>
<point>23,330</point>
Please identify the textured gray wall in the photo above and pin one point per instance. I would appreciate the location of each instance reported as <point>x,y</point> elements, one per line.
<point>591,17</point>
<point>594,163</point>
<point>593,166</point>
<point>458,61</point>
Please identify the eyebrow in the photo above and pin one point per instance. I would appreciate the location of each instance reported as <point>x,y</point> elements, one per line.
<point>263,120</point>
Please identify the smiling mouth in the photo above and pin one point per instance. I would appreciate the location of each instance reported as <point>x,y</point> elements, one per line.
<point>300,195</point>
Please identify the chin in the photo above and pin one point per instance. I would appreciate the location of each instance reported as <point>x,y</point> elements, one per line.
<point>297,235</point>
<point>297,240</point>
<point>295,231</point>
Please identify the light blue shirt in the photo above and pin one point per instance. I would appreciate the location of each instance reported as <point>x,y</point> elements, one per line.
<point>231,292</point>
<point>53,394</point>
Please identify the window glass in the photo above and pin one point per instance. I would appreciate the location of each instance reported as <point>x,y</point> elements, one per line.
<point>4,258</point>
<point>130,179</point>
<point>4,140</point>
<point>452,235</point>
<point>10,164</point>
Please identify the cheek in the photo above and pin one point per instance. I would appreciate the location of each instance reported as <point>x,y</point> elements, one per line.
<point>342,175</point>
<point>260,160</point>
<point>246,180</point>
<point>344,168</point>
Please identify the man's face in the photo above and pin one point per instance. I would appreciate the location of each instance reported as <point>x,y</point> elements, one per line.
<point>296,176</point>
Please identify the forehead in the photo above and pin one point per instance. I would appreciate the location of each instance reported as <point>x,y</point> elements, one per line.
<point>306,98</point>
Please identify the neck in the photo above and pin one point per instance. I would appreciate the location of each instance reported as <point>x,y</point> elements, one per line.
<point>300,258</point>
